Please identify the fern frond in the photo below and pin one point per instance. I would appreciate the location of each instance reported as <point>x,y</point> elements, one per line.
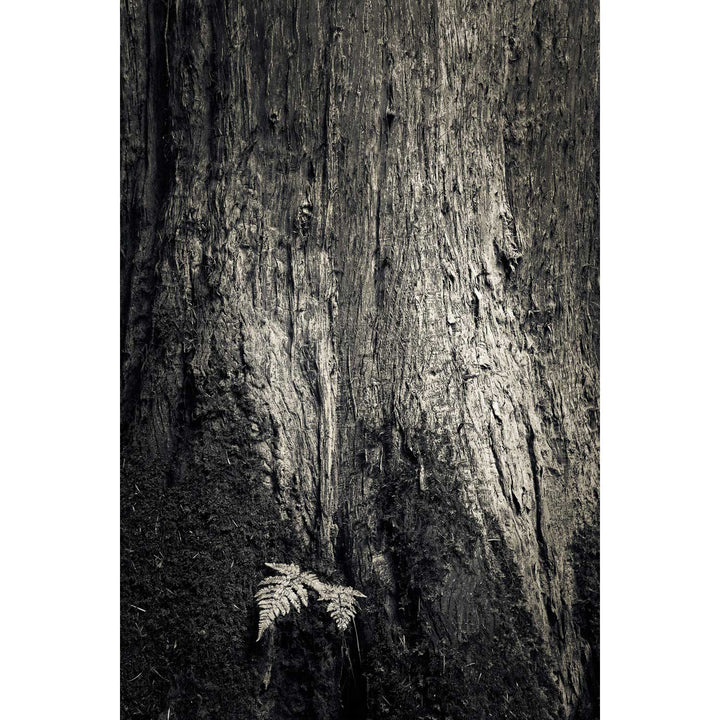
<point>279,594</point>
<point>341,604</point>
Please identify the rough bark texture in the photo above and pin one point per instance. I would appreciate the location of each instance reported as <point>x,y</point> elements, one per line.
<point>360,333</point>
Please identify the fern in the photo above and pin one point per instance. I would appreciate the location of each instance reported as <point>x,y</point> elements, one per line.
<point>341,604</point>
<point>279,594</point>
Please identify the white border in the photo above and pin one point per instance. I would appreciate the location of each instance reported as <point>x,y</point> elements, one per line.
<point>59,524</point>
<point>659,364</point>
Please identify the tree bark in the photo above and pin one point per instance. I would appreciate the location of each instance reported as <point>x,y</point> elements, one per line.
<point>360,250</point>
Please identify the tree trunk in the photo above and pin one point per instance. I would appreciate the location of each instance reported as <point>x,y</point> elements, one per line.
<point>360,333</point>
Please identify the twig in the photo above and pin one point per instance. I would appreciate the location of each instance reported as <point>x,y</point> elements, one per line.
<point>152,669</point>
